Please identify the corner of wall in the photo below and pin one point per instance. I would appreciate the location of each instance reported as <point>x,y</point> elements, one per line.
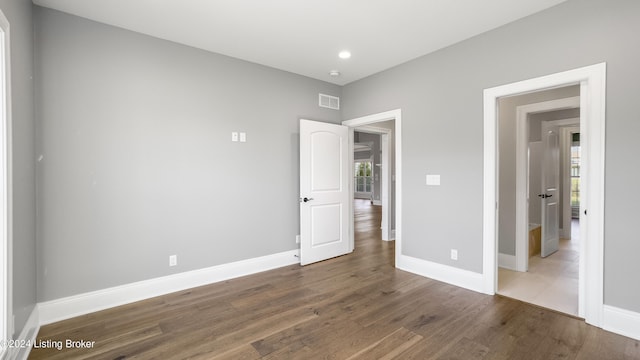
<point>27,337</point>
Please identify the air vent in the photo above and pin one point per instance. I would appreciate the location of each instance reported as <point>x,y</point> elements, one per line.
<point>328,101</point>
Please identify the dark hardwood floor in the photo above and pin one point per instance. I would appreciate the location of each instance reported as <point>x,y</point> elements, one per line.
<point>356,306</point>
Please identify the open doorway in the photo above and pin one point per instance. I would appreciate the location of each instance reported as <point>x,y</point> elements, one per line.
<point>592,81</point>
<point>374,172</point>
<point>387,128</point>
<point>544,270</point>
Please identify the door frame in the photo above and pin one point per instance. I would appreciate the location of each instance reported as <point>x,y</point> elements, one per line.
<point>592,80</point>
<point>522,171</point>
<point>371,120</point>
<point>6,188</point>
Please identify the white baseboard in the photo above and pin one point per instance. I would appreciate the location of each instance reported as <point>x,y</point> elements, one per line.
<point>616,320</point>
<point>377,202</point>
<point>621,321</point>
<point>27,335</point>
<point>392,235</point>
<point>72,306</point>
<point>507,261</point>
<point>449,274</point>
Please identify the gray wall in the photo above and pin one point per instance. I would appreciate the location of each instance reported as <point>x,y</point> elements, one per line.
<point>507,127</point>
<point>442,116</point>
<point>138,160</point>
<point>18,12</point>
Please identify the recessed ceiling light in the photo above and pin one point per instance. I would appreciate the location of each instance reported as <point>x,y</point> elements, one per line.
<point>334,73</point>
<point>344,54</point>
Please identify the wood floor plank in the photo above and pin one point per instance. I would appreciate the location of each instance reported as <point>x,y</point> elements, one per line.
<point>389,347</point>
<point>103,346</point>
<point>465,349</point>
<point>293,351</point>
<point>356,306</point>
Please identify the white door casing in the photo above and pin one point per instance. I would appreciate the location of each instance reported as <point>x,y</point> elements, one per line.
<point>550,196</point>
<point>324,191</point>
<point>6,202</point>
<point>385,185</point>
<point>361,122</point>
<point>592,80</point>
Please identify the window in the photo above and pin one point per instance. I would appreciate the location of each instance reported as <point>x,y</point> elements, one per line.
<point>362,178</point>
<point>575,175</point>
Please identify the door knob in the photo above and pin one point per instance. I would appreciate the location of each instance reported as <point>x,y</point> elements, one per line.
<point>307,199</point>
<point>544,196</point>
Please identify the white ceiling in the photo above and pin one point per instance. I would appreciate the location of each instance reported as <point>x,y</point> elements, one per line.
<point>305,36</point>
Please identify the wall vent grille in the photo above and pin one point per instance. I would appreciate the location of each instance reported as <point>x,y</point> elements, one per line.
<point>328,101</point>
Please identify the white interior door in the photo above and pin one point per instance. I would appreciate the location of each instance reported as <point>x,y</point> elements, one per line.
<point>324,191</point>
<point>550,197</point>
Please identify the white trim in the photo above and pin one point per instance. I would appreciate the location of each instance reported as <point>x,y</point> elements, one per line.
<point>393,235</point>
<point>377,202</point>
<point>489,194</point>
<point>507,261</point>
<point>6,188</point>
<point>592,80</point>
<point>72,306</point>
<point>522,171</point>
<point>372,129</point>
<point>621,321</point>
<point>28,335</point>
<point>351,190</point>
<point>449,274</point>
<point>375,118</point>
<point>385,184</point>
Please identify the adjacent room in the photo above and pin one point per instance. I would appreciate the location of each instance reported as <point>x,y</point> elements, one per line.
<point>539,240</point>
<point>296,180</point>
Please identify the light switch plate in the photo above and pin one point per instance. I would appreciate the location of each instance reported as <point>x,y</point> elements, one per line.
<point>433,180</point>
<point>234,136</point>
<point>243,137</point>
